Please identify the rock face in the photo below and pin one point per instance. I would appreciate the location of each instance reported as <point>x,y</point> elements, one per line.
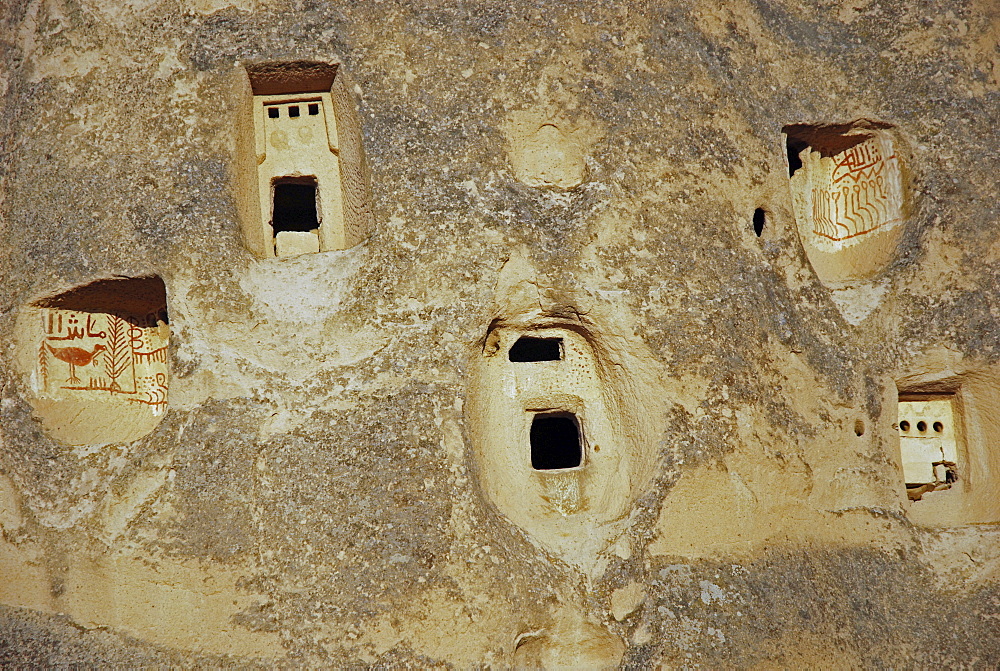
<point>604,334</point>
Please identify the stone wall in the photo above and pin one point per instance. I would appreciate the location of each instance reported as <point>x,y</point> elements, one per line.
<point>751,228</point>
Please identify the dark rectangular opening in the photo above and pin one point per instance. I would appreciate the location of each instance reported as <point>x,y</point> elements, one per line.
<point>294,206</point>
<point>555,442</point>
<point>293,110</point>
<point>535,349</point>
<point>313,109</point>
<point>273,112</point>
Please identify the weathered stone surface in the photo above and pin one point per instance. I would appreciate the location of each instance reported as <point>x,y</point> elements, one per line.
<point>312,493</point>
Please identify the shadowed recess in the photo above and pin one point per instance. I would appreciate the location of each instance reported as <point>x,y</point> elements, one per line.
<point>555,442</point>
<point>794,148</point>
<point>759,219</point>
<point>291,77</point>
<point>827,139</point>
<point>129,295</point>
<point>294,206</point>
<point>528,349</point>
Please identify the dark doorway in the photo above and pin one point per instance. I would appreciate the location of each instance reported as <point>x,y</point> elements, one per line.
<point>555,442</point>
<point>294,207</point>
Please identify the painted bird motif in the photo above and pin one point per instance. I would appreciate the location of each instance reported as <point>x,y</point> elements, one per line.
<point>74,356</point>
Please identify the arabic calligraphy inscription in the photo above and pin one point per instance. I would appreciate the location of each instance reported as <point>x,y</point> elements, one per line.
<point>850,194</point>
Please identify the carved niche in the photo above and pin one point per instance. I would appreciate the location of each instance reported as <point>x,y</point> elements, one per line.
<point>849,197</point>
<point>96,357</point>
<point>303,178</point>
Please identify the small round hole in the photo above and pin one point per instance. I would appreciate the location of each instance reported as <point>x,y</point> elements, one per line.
<point>921,426</point>
<point>859,427</point>
<point>904,426</point>
<point>759,219</point>
<point>938,427</point>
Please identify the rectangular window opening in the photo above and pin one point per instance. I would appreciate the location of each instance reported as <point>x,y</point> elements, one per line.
<point>555,441</point>
<point>294,206</point>
<point>273,112</point>
<point>313,109</point>
<point>529,349</point>
<point>293,110</point>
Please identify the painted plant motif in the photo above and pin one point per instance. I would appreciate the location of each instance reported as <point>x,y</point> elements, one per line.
<point>118,355</point>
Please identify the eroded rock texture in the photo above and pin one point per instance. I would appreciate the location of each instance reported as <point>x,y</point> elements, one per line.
<point>752,227</point>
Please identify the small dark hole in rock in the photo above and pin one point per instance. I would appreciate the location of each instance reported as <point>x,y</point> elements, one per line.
<point>859,427</point>
<point>313,109</point>
<point>904,426</point>
<point>535,349</point>
<point>938,427</point>
<point>273,112</point>
<point>293,110</point>
<point>759,219</point>
<point>921,426</point>
<point>555,442</point>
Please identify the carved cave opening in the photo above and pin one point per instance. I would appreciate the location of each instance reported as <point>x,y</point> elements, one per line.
<point>555,441</point>
<point>305,142</point>
<point>847,189</point>
<point>530,349</point>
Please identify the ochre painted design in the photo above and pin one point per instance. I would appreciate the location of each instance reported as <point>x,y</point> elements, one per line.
<point>124,356</point>
<point>855,192</point>
<point>96,360</point>
<point>848,188</point>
